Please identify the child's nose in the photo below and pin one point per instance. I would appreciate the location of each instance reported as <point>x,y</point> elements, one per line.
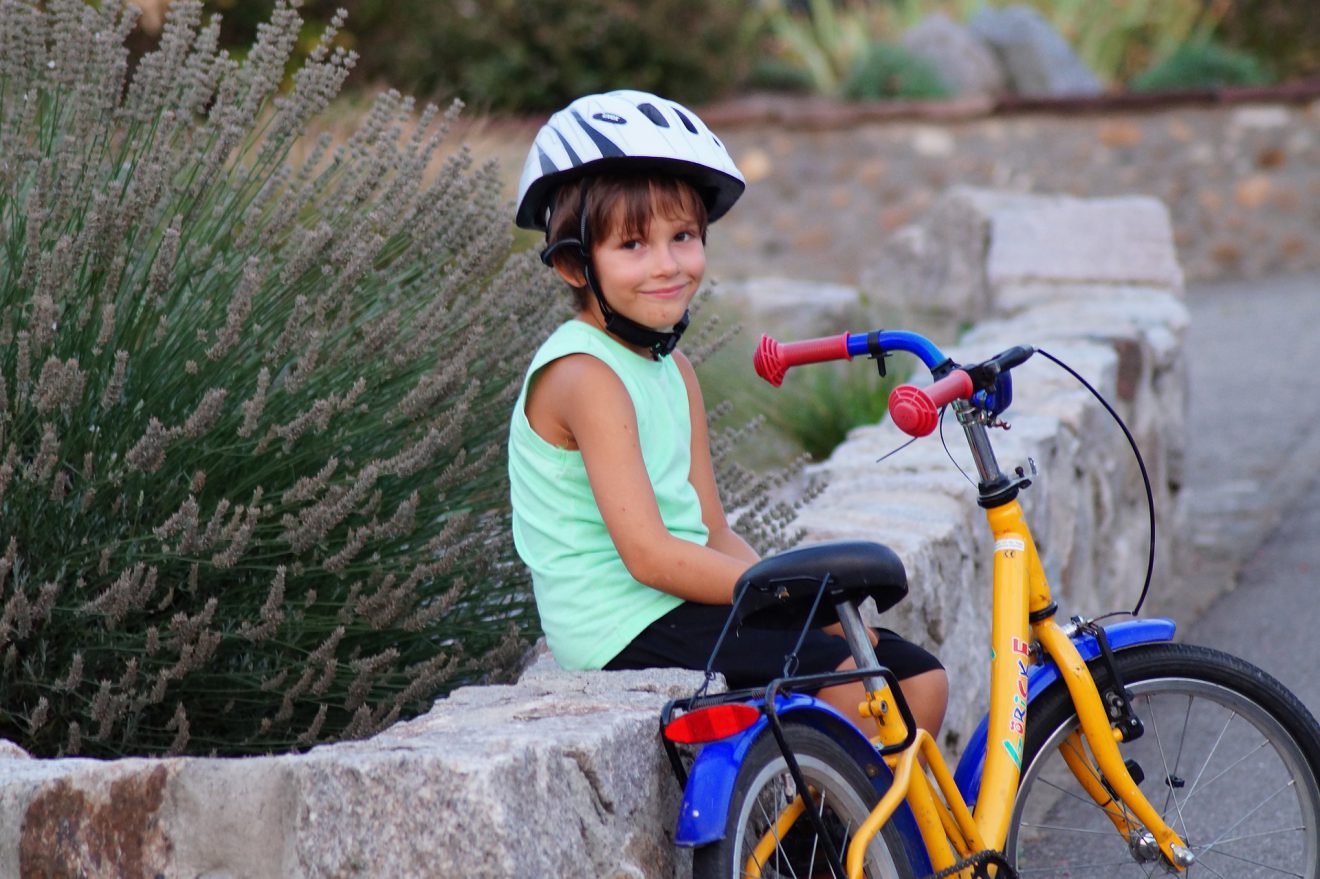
<point>665,262</point>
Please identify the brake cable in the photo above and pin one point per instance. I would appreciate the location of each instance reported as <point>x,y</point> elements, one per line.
<point>1141,463</point>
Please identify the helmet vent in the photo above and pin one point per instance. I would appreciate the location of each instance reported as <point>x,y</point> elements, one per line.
<point>687,123</point>
<point>608,148</point>
<point>650,112</point>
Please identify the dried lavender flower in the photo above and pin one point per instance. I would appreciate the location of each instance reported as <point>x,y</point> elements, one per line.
<point>253,391</point>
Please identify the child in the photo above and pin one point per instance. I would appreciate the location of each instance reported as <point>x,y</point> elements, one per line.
<point>615,509</point>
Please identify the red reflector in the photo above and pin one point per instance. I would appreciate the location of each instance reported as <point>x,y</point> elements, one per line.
<point>711,724</point>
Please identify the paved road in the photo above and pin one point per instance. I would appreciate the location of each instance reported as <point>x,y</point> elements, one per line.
<point>1254,472</point>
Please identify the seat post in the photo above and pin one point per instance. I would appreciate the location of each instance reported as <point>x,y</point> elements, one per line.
<point>859,644</point>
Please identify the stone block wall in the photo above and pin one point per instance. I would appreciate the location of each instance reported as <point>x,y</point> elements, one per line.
<point>562,775</point>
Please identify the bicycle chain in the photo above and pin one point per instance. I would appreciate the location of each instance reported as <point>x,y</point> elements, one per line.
<point>980,860</point>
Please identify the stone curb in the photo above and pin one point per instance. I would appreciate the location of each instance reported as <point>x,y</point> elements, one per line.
<point>562,774</point>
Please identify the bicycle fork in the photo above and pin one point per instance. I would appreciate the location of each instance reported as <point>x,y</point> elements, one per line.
<point>1105,776</point>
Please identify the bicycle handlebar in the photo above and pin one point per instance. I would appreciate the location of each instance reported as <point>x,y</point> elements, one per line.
<point>916,411</point>
<point>773,358</point>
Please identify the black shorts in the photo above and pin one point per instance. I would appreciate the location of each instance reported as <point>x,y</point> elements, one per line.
<point>752,657</point>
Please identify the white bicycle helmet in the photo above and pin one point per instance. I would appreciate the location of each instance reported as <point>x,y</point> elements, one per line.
<point>625,129</point>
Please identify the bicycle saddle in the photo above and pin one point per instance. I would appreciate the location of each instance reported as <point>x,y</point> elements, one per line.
<point>777,592</point>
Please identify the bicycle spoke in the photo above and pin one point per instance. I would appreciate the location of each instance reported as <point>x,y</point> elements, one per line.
<point>1254,863</point>
<point>772,827</point>
<point>1182,740</point>
<point>1263,744</point>
<point>1087,801</point>
<point>1253,811</point>
<point>1260,835</point>
<point>1096,774</point>
<point>1210,869</point>
<point>1168,773</point>
<point>1208,757</point>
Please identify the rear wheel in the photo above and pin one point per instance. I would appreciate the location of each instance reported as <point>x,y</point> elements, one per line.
<point>1230,759</point>
<point>764,790</point>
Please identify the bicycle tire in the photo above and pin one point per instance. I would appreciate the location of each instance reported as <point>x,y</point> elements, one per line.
<point>764,787</point>
<point>1231,760</point>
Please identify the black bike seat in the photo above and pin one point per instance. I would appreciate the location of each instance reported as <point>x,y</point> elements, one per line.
<point>780,590</point>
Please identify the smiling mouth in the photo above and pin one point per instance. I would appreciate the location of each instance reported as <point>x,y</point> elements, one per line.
<point>666,291</point>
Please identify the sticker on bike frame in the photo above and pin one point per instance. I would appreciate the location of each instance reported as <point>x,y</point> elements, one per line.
<point>1010,543</point>
<point>1017,723</point>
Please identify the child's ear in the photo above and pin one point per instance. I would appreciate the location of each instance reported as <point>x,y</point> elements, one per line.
<point>571,273</point>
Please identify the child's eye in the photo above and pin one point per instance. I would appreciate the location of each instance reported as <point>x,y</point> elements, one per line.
<point>630,244</point>
<point>685,235</point>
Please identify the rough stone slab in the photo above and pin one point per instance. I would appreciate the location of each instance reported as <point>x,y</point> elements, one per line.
<point>1126,240</point>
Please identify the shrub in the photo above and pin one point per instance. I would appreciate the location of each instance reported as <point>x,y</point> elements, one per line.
<point>511,55</point>
<point>888,70</point>
<point>1284,31</point>
<point>252,408</point>
<point>1202,64</point>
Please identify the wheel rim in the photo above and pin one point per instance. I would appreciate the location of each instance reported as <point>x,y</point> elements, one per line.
<point>1218,767</point>
<point>797,853</point>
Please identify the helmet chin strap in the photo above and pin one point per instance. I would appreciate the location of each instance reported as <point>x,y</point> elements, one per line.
<point>659,343</point>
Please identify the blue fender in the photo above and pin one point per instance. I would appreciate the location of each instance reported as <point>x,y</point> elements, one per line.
<point>705,809</point>
<point>1122,635</point>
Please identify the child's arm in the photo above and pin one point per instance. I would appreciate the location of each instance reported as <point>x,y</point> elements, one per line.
<point>582,401</point>
<point>722,537</point>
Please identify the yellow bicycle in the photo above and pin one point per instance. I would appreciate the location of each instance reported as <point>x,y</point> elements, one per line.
<point>1108,750</point>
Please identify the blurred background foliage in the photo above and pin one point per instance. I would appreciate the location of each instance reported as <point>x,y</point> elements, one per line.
<point>533,56</point>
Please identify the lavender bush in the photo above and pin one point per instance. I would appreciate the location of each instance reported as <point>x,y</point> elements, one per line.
<point>251,408</point>
<point>253,396</point>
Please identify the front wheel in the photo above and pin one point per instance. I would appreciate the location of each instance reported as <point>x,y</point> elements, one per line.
<point>1230,759</point>
<point>762,797</point>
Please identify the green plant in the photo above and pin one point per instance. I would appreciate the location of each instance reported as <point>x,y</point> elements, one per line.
<point>818,407</point>
<point>1202,64</point>
<point>887,70</point>
<point>826,40</point>
<point>810,414</point>
<point>252,410</point>
<point>1118,39</point>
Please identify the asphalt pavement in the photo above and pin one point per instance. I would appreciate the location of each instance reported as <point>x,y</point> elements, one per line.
<point>1253,473</point>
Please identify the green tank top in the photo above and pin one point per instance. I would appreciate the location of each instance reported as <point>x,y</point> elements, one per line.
<point>590,606</point>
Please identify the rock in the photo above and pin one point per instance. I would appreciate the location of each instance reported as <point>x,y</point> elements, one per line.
<point>969,67</point>
<point>930,276</point>
<point>1123,240</point>
<point>1040,63</point>
<point>11,751</point>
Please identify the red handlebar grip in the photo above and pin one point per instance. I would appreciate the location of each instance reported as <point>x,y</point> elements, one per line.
<point>772,358</point>
<point>916,411</point>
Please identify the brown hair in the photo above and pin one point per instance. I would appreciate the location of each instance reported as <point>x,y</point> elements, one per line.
<point>626,200</point>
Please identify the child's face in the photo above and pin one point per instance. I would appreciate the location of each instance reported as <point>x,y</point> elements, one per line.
<point>652,277</point>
